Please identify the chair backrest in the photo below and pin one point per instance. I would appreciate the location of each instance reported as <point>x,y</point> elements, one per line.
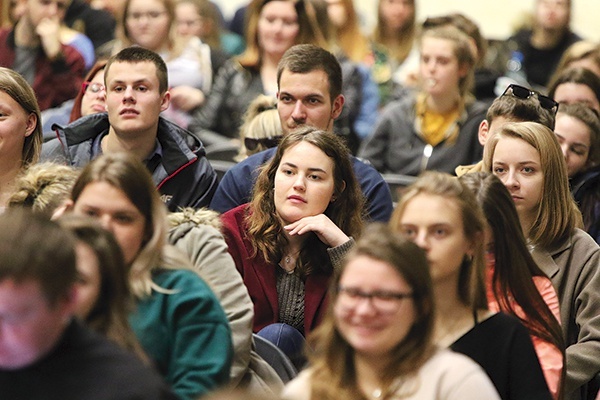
<point>396,183</point>
<point>276,358</point>
<point>224,151</point>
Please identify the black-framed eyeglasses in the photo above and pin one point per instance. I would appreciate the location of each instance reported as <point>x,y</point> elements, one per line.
<point>268,142</point>
<point>383,300</point>
<point>94,87</point>
<point>524,93</point>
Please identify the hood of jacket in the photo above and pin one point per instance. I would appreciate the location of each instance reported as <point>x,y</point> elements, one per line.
<point>180,223</point>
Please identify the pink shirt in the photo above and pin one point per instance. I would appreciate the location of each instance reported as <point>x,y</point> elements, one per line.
<point>551,358</point>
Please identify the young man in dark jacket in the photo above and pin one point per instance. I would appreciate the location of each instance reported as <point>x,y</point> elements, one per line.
<point>136,93</point>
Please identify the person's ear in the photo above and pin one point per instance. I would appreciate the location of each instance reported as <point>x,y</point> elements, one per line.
<point>165,101</point>
<point>484,130</point>
<point>337,106</point>
<point>32,122</point>
<point>64,208</point>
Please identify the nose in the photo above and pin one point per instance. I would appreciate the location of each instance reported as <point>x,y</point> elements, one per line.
<point>52,9</point>
<point>277,25</point>
<point>511,180</point>
<point>365,307</point>
<point>421,239</point>
<point>300,183</point>
<point>565,150</point>
<point>299,112</point>
<point>128,95</point>
<point>106,223</point>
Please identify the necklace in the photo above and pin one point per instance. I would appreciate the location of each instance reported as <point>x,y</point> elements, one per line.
<point>376,393</point>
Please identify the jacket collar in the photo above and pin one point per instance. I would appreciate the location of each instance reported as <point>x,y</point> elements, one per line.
<point>545,257</point>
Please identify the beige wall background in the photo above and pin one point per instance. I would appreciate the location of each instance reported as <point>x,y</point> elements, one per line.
<point>495,18</point>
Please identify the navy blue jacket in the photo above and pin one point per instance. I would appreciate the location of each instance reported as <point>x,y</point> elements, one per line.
<point>236,186</point>
<point>182,174</point>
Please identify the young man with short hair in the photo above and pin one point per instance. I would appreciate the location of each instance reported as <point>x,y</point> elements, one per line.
<point>309,81</point>
<point>136,86</point>
<point>517,104</point>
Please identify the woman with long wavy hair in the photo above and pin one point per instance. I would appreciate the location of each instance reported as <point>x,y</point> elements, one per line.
<point>286,243</point>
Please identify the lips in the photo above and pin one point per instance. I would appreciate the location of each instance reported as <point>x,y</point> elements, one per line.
<point>296,199</point>
<point>99,107</point>
<point>128,111</point>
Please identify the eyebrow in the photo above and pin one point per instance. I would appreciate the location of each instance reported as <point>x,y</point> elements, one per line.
<point>319,95</point>
<point>519,163</point>
<point>579,144</point>
<point>143,80</point>
<point>312,169</point>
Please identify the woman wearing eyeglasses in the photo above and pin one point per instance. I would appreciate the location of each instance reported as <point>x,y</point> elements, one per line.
<point>90,99</point>
<point>527,158</point>
<point>442,217</point>
<point>286,243</point>
<point>435,128</point>
<point>151,24</point>
<point>376,341</point>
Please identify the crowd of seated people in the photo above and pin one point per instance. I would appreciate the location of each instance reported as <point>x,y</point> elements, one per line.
<point>112,114</point>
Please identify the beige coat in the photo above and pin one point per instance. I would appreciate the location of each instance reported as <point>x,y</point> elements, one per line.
<point>197,234</point>
<point>574,268</point>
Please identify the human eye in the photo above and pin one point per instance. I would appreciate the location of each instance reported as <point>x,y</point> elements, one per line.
<point>142,88</point>
<point>408,231</point>
<point>353,293</point>
<point>284,98</point>
<point>314,177</point>
<point>124,218</point>
<point>440,232</point>
<point>90,212</point>
<point>286,171</point>
<point>118,88</point>
<point>580,151</point>
<point>528,170</point>
<point>498,170</point>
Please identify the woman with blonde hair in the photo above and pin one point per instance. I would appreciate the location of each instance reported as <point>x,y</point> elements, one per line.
<point>585,54</point>
<point>349,37</point>
<point>262,127</point>
<point>384,282</point>
<point>442,216</point>
<point>21,130</point>
<point>435,128</point>
<point>178,320</point>
<point>395,55</point>
<point>527,158</point>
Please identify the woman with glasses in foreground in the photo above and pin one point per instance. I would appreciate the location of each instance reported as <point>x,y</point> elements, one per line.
<point>376,341</point>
